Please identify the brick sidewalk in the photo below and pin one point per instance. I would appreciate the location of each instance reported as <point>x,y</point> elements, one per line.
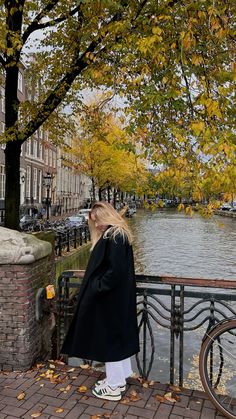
<point>64,392</point>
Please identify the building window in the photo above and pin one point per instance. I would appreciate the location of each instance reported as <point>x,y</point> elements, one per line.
<point>40,151</point>
<point>2,94</point>
<point>35,184</point>
<point>2,129</point>
<point>35,146</point>
<point>28,147</point>
<point>40,185</point>
<point>20,82</point>
<point>28,179</point>
<point>2,181</point>
<point>46,156</point>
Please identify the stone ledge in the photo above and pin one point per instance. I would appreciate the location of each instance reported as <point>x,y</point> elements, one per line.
<point>21,248</point>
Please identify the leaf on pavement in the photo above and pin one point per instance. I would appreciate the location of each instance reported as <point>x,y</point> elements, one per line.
<point>59,410</point>
<point>171,397</point>
<point>36,415</point>
<point>82,389</point>
<point>85,366</point>
<point>21,396</point>
<point>159,398</point>
<point>175,388</point>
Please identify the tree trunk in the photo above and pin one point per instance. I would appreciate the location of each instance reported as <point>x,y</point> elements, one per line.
<point>12,151</point>
<point>12,201</point>
<point>108,194</point>
<point>100,194</point>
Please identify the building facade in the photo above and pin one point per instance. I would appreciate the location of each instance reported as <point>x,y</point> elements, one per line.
<point>40,158</point>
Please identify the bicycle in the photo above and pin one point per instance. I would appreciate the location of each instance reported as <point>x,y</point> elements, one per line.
<point>217,366</point>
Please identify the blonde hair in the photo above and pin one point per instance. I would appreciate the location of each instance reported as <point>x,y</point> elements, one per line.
<point>105,214</point>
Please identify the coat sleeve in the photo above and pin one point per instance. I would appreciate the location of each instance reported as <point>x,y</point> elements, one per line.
<point>117,257</point>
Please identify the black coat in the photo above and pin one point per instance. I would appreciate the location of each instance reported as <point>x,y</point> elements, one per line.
<point>104,327</point>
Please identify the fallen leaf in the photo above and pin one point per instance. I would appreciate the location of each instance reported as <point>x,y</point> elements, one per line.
<point>40,366</point>
<point>125,400</point>
<point>82,389</point>
<point>145,385</point>
<point>59,362</point>
<point>175,388</point>
<point>36,415</point>
<point>84,398</point>
<point>71,370</point>
<point>84,366</point>
<point>59,410</point>
<point>52,366</point>
<point>171,397</point>
<point>21,396</point>
<point>41,385</point>
<point>151,383</point>
<point>95,416</point>
<point>160,399</point>
<point>68,387</point>
<point>107,415</point>
<point>134,396</point>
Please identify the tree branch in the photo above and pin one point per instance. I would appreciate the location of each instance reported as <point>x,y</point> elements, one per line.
<point>35,25</point>
<point>2,61</point>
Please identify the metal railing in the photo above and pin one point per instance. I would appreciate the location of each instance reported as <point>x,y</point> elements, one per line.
<point>70,238</point>
<point>176,305</point>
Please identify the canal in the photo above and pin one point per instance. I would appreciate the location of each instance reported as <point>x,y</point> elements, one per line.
<point>171,243</point>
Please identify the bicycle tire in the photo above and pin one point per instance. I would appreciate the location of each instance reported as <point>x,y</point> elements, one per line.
<point>219,333</point>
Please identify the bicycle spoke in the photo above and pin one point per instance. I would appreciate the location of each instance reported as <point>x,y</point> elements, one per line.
<point>218,374</point>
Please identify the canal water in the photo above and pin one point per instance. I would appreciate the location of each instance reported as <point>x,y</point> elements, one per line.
<point>171,243</point>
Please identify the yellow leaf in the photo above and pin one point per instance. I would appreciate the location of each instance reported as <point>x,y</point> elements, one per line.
<point>156,30</point>
<point>59,410</point>
<point>169,397</point>
<point>84,366</point>
<point>82,389</point>
<point>36,415</point>
<point>21,396</point>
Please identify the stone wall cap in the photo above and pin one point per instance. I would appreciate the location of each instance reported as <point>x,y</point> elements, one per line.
<point>21,248</point>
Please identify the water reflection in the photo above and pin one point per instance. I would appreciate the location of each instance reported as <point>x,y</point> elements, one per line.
<point>170,243</point>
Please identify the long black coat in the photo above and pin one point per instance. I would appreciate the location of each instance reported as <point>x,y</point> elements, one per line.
<point>104,327</point>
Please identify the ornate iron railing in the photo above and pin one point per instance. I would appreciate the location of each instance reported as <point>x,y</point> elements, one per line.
<point>176,305</point>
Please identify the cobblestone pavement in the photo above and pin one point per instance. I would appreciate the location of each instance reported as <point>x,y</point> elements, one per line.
<point>58,391</point>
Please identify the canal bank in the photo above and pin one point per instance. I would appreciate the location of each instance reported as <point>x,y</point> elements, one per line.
<point>76,260</point>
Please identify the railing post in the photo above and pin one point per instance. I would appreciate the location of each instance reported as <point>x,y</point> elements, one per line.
<point>68,240</point>
<point>172,335</point>
<point>144,334</point>
<point>59,244</point>
<point>181,336</point>
<point>75,238</point>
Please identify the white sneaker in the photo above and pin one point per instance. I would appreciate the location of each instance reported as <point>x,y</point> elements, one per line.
<point>107,393</point>
<point>103,382</point>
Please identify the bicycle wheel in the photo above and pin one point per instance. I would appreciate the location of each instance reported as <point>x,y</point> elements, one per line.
<point>217,367</point>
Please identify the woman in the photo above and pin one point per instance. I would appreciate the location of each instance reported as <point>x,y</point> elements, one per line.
<point>104,327</point>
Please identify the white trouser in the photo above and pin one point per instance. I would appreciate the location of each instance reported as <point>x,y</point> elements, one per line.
<point>117,372</point>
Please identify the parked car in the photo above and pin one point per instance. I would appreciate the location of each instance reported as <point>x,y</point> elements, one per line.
<point>76,221</point>
<point>85,212</point>
<point>225,207</point>
<point>27,222</point>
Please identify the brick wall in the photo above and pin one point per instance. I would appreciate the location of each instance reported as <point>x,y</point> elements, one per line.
<point>23,340</point>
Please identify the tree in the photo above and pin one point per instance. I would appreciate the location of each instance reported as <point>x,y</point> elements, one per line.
<point>104,151</point>
<point>172,61</point>
<point>73,34</point>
